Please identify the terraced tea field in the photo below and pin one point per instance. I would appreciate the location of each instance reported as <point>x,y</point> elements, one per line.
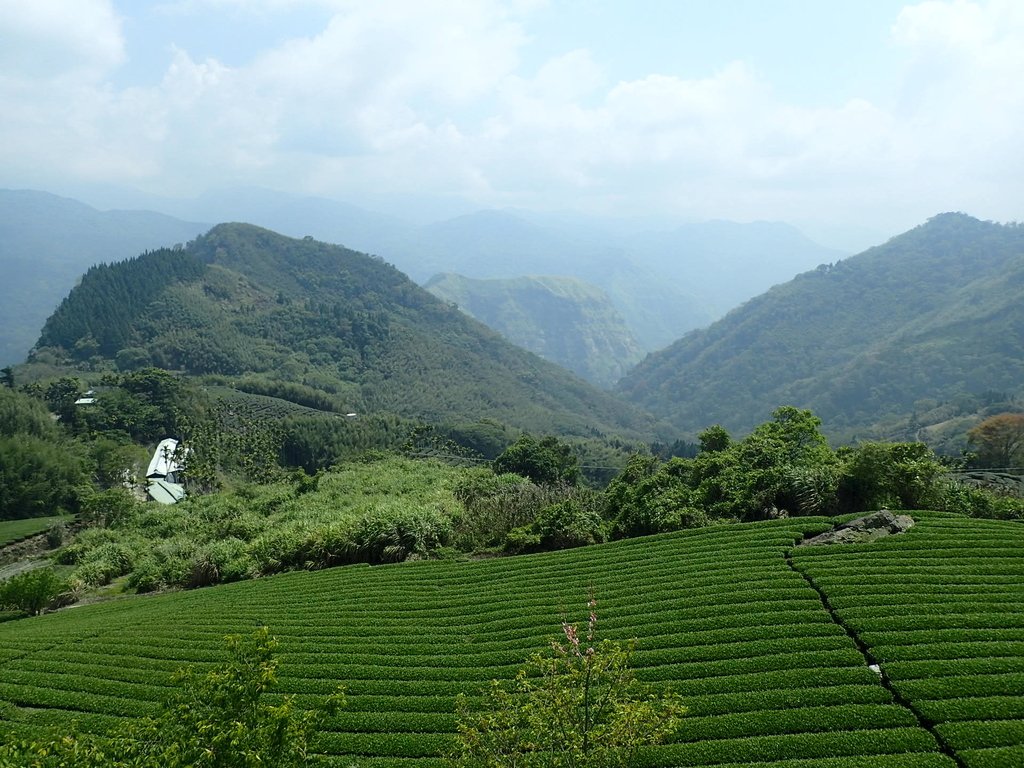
<point>772,679</point>
<point>942,611</point>
<point>12,531</point>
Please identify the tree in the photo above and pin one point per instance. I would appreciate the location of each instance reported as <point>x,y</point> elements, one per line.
<point>38,477</point>
<point>714,438</point>
<point>577,705</point>
<point>547,461</point>
<point>896,475</point>
<point>999,440</point>
<point>31,591</point>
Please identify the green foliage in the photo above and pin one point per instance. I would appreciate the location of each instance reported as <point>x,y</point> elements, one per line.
<point>562,319</point>
<point>21,414</point>
<point>998,440</point>
<point>40,469</point>
<point>647,498</point>
<point>949,639</point>
<point>31,591</point>
<point>102,306</point>
<point>38,478</point>
<point>546,461</point>
<point>324,327</point>
<point>112,508</point>
<point>563,525</point>
<point>893,475</point>
<point>222,719</point>
<point>577,705</point>
<point>725,623</point>
<point>784,464</point>
<point>510,512</point>
<point>387,510</point>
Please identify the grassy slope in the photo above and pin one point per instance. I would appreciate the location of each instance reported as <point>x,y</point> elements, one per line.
<point>721,616</point>
<point>16,530</point>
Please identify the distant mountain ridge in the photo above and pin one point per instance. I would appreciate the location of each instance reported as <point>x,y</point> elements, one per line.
<point>663,283</point>
<point>931,314</point>
<point>241,300</point>
<point>47,242</point>
<point>562,319</point>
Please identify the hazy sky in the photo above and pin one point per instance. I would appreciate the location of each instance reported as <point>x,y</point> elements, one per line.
<point>867,113</point>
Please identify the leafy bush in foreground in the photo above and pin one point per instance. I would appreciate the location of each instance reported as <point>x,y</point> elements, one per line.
<point>578,705</point>
<point>31,591</point>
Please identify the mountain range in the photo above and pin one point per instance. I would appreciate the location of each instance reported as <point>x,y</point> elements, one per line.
<point>931,315</point>
<point>47,242</point>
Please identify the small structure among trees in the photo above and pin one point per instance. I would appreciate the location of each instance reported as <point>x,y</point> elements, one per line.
<point>163,472</point>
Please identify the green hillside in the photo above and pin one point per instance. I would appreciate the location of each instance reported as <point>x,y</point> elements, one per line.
<point>47,242</point>
<point>562,319</point>
<point>733,618</point>
<point>930,316</point>
<point>500,244</point>
<point>244,301</point>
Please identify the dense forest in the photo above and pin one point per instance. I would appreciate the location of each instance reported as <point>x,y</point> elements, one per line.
<point>49,241</point>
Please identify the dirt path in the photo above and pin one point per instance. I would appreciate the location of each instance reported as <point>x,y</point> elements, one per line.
<point>21,566</point>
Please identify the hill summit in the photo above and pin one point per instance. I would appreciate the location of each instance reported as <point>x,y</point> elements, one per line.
<point>241,300</point>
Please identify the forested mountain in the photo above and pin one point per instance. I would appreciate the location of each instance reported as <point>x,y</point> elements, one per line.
<point>496,244</point>
<point>931,315</point>
<point>47,242</point>
<point>562,319</point>
<point>242,300</point>
<point>663,282</point>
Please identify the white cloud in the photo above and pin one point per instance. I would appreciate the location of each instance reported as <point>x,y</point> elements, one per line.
<point>44,39</point>
<point>432,96</point>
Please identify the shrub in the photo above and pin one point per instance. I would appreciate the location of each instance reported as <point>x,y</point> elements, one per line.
<point>32,591</point>
<point>577,705</point>
<point>896,475</point>
<point>559,526</point>
<point>105,563</point>
<point>220,719</point>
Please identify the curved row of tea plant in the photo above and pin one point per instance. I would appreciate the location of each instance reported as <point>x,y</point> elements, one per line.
<point>767,675</point>
<point>941,609</point>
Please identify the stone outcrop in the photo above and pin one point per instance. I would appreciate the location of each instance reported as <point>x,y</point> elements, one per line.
<point>872,526</point>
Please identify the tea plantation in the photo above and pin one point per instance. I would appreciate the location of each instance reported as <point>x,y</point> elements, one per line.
<point>768,644</point>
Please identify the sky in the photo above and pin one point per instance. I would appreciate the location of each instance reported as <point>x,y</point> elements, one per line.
<point>842,117</point>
